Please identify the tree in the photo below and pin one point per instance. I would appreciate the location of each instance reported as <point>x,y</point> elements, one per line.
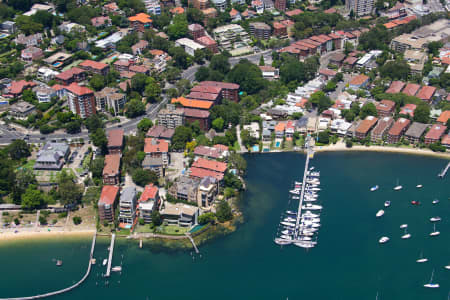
<point>348,47</point>
<point>68,191</point>
<point>248,76</point>
<point>261,61</point>
<point>320,100</point>
<point>138,82</point>
<point>180,57</point>
<point>199,56</point>
<point>182,135</point>
<point>433,48</point>
<point>18,149</point>
<point>156,218</point>
<point>99,139</point>
<point>144,125</point>
<point>143,177</point>
<point>395,70</point>
<point>223,212</point>
<point>77,220</point>
<point>217,124</point>
<point>23,178</point>
<point>238,162</point>
<point>32,198</point>
<point>73,127</point>
<point>97,166</point>
<point>152,90</point>
<point>93,122</point>
<point>368,109</point>
<point>206,218</point>
<point>202,74</point>
<point>134,108</point>
<point>324,137</point>
<point>97,82</point>
<point>330,86</point>
<point>422,113</point>
<point>220,63</point>
<point>194,15</point>
<point>178,28</point>
<point>42,220</point>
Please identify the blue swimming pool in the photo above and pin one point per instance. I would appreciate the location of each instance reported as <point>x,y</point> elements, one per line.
<point>255,148</point>
<point>277,144</point>
<point>3,35</point>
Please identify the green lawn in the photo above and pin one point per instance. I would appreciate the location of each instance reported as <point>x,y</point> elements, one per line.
<point>236,146</point>
<point>172,230</point>
<point>29,165</point>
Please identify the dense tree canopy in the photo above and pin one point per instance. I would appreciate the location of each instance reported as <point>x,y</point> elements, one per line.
<point>248,76</point>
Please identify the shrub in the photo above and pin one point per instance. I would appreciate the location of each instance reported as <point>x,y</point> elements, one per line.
<point>42,220</point>
<point>348,143</point>
<point>76,220</point>
<point>16,221</point>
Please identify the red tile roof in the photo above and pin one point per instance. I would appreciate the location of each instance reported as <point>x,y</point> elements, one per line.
<point>408,109</point>
<point>93,64</point>
<point>193,103</point>
<point>156,146</point>
<point>141,18</point>
<point>207,89</point>
<point>330,11</point>
<point>385,105</point>
<point>359,80</point>
<point>150,192</point>
<point>396,87</point>
<point>66,75</point>
<point>196,113</point>
<point>109,194</point>
<point>203,96</point>
<point>205,41</point>
<point>443,118</point>
<point>426,92</point>
<point>399,126</point>
<point>208,164</point>
<point>411,89</point>
<point>293,12</point>
<point>446,140</point>
<point>366,124</point>
<point>436,131</point>
<point>17,87</point>
<point>327,72</point>
<point>224,85</point>
<point>115,138</point>
<point>201,173</point>
<point>78,90</point>
<point>112,164</point>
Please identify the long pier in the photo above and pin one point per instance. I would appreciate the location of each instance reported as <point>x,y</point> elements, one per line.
<point>444,171</point>
<point>192,241</point>
<point>111,252</point>
<point>91,255</point>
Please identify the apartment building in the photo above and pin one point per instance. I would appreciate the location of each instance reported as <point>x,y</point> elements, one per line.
<point>171,117</point>
<point>81,100</point>
<point>107,202</point>
<point>127,206</point>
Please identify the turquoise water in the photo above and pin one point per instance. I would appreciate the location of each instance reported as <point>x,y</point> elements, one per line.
<point>348,262</point>
<point>277,144</point>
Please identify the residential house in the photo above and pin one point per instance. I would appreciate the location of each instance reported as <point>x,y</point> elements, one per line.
<point>258,5</point>
<point>446,141</point>
<point>208,43</point>
<point>270,72</point>
<point>385,108</point>
<point>106,203</point>
<point>9,26</point>
<point>235,15</point>
<point>101,21</point>
<point>154,164</point>
<point>359,82</point>
<point>188,45</point>
<point>44,93</point>
<point>209,13</point>
<point>207,191</point>
<point>16,88</point>
<point>190,103</point>
<point>365,127</point>
<point>411,89</point>
<point>31,53</point>
<point>148,202</point>
<point>443,117</point>
<point>397,130</point>
<point>395,87</point>
<point>349,63</point>
<point>426,93</point>
<point>140,22</point>
<point>94,67</point>
<point>157,148</point>
<point>30,40</point>
<point>52,156</point>
<point>196,31</point>
<point>408,110</point>
<point>115,141</point>
<point>435,133</point>
<point>279,130</point>
<point>280,5</point>
<point>127,206</point>
<point>327,74</point>
<point>221,5</point>
<point>139,47</point>
<point>160,132</point>
<point>279,29</point>
<point>69,27</point>
<point>337,59</point>
<point>81,100</point>
<point>71,75</point>
<point>46,74</point>
<point>415,132</point>
<point>185,189</point>
<point>229,91</point>
<point>179,214</point>
<point>260,30</point>
<point>111,170</point>
<point>215,152</point>
<point>111,8</point>
<point>153,7</point>
<point>416,61</point>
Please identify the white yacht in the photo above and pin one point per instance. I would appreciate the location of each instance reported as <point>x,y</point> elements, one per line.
<point>295,191</point>
<point>447,267</point>
<point>387,203</point>
<point>280,241</point>
<point>286,237</point>
<point>310,214</point>
<point>431,284</point>
<point>434,233</point>
<point>311,206</point>
<point>296,197</point>
<point>310,199</point>
<point>419,186</point>
<point>422,259</point>
<point>435,219</point>
<point>383,240</point>
<point>406,235</point>
<point>403,226</point>
<point>288,219</point>
<point>105,261</point>
<point>288,224</point>
<point>287,232</point>
<point>398,187</point>
<point>374,188</point>
<point>291,212</point>
<point>380,213</point>
<point>435,201</point>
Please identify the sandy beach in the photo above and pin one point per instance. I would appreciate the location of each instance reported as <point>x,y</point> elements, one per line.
<point>340,146</point>
<point>9,235</point>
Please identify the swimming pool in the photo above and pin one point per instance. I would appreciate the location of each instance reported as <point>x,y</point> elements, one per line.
<point>57,64</point>
<point>255,148</point>
<point>3,35</point>
<point>277,144</point>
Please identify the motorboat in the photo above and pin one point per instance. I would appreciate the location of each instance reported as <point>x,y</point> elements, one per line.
<point>406,235</point>
<point>291,212</point>
<point>288,224</point>
<point>387,203</point>
<point>286,237</point>
<point>59,263</point>
<point>435,201</point>
<point>117,269</point>
<point>296,197</point>
<point>298,182</point>
<point>289,219</point>
<point>313,189</point>
<point>435,219</point>
<point>447,267</point>
<point>311,226</point>
<point>310,219</point>
<point>403,226</point>
<point>305,244</point>
<point>398,187</point>
<point>414,202</point>
<point>311,206</point>
<point>430,284</point>
<point>310,214</point>
<point>287,232</point>
<point>422,259</point>
<point>383,240</point>
<point>310,200</point>
<point>280,241</point>
<point>105,261</point>
<point>307,233</point>
<point>434,233</point>
<point>419,186</point>
<point>374,188</point>
<point>380,213</point>
<point>295,192</point>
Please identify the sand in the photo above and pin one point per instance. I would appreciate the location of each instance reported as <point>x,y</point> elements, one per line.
<point>22,234</point>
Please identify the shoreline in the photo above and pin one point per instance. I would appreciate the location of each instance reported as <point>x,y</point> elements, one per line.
<point>340,146</point>
<point>11,236</point>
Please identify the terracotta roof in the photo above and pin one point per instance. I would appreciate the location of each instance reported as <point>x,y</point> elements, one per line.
<point>334,36</point>
<point>66,75</point>
<point>382,124</point>
<point>193,103</point>
<point>358,80</point>
<point>278,25</point>
<point>159,131</point>
<point>150,192</point>
<point>200,173</point>
<point>139,69</point>
<point>203,96</point>
<point>330,11</point>
<point>78,90</point>
<point>287,22</point>
<point>293,12</point>
<point>436,131</point>
<point>109,194</point>
<point>443,118</point>
<point>395,87</point>
<point>280,126</point>
<point>426,92</point>
<point>350,60</point>
<point>399,126</point>
<point>153,145</point>
<point>115,138</point>
<point>141,17</point>
<point>156,52</point>
<point>208,164</point>
<point>225,85</point>
<point>57,87</point>
<point>177,10</point>
<point>205,41</point>
<point>17,87</point>
<point>112,164</point>
<point>206,89</point>
<point>390,25</point>
<point>233,12</point>
<point>93,64</point>
<point>446,140</point>
<point>408,109</point>
<point>215,152</point>
<point>385,105</point>
<point>196,113</point>
<point>366,124</point>
<point>327,72</point>
<point>411,89</point>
